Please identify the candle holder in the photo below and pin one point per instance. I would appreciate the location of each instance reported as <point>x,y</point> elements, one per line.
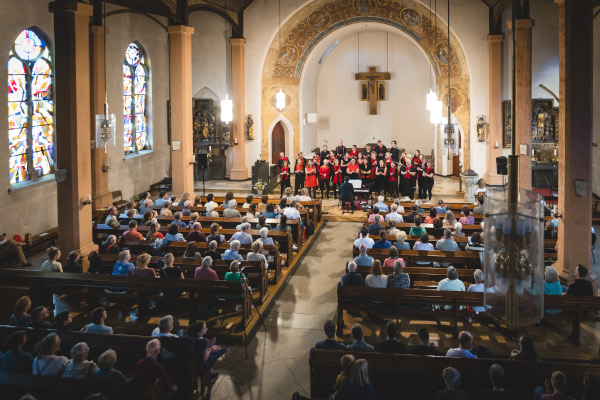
<point>514,257</point>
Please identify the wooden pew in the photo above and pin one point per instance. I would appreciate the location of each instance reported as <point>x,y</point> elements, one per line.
<point>189,265</point>
<point>38,243</point>
<point>419,377</point>
<point>405,226</point>
<point>478,217</point>
<point>352,298</point>
<point>422,277</point>
<point>468,259</point>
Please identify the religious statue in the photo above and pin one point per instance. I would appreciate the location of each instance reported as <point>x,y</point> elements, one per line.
<point>249,127</point>
<point>480,129</point>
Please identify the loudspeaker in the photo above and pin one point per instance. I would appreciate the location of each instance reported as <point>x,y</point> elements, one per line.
<point>501,165</point>
<point>202,159</point>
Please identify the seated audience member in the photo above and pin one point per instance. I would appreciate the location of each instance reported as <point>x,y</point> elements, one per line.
<point>262,223</point>
<point>206,352</point>
<point>169,270</point>
<point>557,388</point>
<point>264,239</point>
<point>210,211</point>
<point>205,272</point>
<point>376,226</point>
<point>551,286</point>
<point>130,217</point>
<point>550,231</point>
<point>98,316</point>
<point>244,237</point>
<point>431,217</point>
<point>441,209</point>
<point>393,257</point>
<point>292,212</point>
<point>376,279</point>
<point>447,243</point>
<point>526,351</point>
<point>359,343</point>
<point>498,390</point>
<point>467,219</point>
<point>162,198</point>
<point>52,264</point>
<point>214,234</point>
<point>210,201</point>
<point>166,209</point>
<point>401,243</point>
<point>111,219</point>
<point>252,213</point>
<point>141,267</point>
<point>419,205</point>
<point>363,258</point>
<point>330,343</point>
<point>15,360</point>
<point>212,251</point>
<point>410,218</point>
<point>262,206</point>
<point>234,274</point>
<point>164,328</point>
<point>38,318</point>
<point>417,230</point>
<point>184,197</point>
<point>554,220</point>
<point>358,387</point>
<point>231,212</point>
<point>47,363</point>
<point>191,251</point>
<point>392,230</point>
<point>256,254</point>
<point>270,212</point>
<point>173,235</point>
<point>393,215</point>
<point>145,205</point>
<point>391,344</point>
<point>382,243</point>
<point>123,267</point>
<point>79,367</point>
<point>478,210</point>
<point>304,195</point>
<point>228,198</point>
<point>438,228</point>
<point>381,205</point>
<point>373,214</point>
<point>399,279</point>
<point>400,208</point>
<point>63,320</point>
<point>477,287</point>
<point>196,235</point>
<point>346,364</point>
<point>147,370</point>
<point>465,344</point>
<point>73,264</point>
<point>581,287</point>
<point>451,283</point>
<point>423,245</point>
<point>14,247</point>
<point>193,219</point>
<point>425,347</point>
<point>20,317</point>
<point>363,237</point>
<point>186,210</point>
<point>475,243</point>
<point>106,371</point>
<point>244,219</point>
<point>449,219</point>
<point>233,252</point>
<point>352,278</point>
<point>177,221</point>
<point>132,233</point>
<point>149,217</point>
<point>109,246</point>
<point>282,226</point>
<point>453,391</point>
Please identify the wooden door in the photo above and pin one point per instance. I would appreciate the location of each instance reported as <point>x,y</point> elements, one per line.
<point>277,142</point>
<point>456,159</point>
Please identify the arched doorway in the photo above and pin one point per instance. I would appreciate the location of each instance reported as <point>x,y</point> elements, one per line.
<point>277,142</point>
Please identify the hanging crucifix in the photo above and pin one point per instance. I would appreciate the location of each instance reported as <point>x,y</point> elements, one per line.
<point>372,87</point>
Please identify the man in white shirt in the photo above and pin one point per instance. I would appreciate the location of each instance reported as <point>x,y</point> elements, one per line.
<point>210,202</point>
<point>400,207</point>
<point>364,238</point>
<point>244,220</point>
<point>111,219</point>
<point>382,206</point>
<point>465,341</point>
<point>393,215</point>
<point>291,212</point>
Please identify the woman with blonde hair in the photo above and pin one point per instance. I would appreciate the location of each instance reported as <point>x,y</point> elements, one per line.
<point>20,316</point>
<point>401,243</point>
<point>153,232</point>
<point>359,387</point>
<point>169,270</point>
<point>166,209</point>
<point>141,267</point>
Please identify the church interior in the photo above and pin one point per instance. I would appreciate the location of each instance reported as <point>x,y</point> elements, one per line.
<point>211,144</point>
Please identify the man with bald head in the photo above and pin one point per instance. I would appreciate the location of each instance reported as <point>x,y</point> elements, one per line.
<point>148,369</point>
<point>465,344</point>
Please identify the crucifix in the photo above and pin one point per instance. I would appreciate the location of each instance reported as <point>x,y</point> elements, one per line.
<point>373,87</point>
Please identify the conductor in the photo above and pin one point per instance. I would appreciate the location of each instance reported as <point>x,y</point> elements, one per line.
<point>347,192</point>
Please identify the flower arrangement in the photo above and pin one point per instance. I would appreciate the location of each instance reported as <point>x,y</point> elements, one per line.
<point>260,185</point>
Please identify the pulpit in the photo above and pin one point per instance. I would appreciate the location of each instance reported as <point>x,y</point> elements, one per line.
<point>267,173</point>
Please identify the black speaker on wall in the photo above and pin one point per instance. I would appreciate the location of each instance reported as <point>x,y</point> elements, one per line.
<point>202,159</point>
<point>502,165</point>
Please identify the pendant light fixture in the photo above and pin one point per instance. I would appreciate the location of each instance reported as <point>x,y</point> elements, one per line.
<point>226,105</point>
<point>280,96</point>
<point>105,123</point>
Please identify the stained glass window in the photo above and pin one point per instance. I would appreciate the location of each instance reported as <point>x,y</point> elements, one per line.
<point>30,107</point>
<point>135,90</point>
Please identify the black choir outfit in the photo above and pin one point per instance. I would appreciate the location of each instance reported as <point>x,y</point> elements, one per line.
<point>340,151</point>
<point>381,150</point>
<point>393,181</point>
<point>381,179</point>
<point>284,173</point>
<point>395,154</point>
<point>409,181</point>
<point>300,176</point>
<point>427,181</point>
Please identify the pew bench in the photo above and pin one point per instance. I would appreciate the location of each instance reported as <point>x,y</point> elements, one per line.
<point>468,259</point>
<point>468,230</point>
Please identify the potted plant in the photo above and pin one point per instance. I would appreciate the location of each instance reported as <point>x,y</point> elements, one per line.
<point>260,186</point>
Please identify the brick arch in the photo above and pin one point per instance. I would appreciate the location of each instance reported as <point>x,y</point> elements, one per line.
<point>314,22</point>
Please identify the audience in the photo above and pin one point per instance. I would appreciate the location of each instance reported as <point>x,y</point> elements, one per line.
<point>206,352</point>
<point>410,218</point>
<point>363,238</point>
<point>581,287</point>
<point>14,247</point>
<point>393,215</point>
<point>282,226</point>
<point>526,351</point>
<point>109,246</point>
<point>451,283</point>
<point>358,387</point>
<point>214,234</point>
<point>106,371</point>
<point>363,258</point>
<point>376,226</point>
<point>392,230</point>
<point>391,344</point>
<point>423,245</point>
<point>373,214</point>
<point>393,256</point>
<point>330,343</point>
<point>79,367</point>
<point>346,364</point>
<point>52,264</point>
<point>417,230</point>
<point>20,316</point>
<point>111,219</point>
<point>123,267</point>
<point>231,212</point>
<point>438,228</point>
<point>169,270</point>
<point>162,198</point>
<point>186,210</point>
<point>458,230</point>
<point>425,347</point>
<point>15,360</point>
<point>352,278</point>
<point>212,251</point>
<point>270,212</point>
<point>452,392</point>
<point>556,387</point>
<point>177,221</point>
<point>132,233</point>
<point>264,239</point>
<point>467,219</point>
<point>166,209</point>
<point>401,243</point>
<point>465,344</point>
<point>498,390</point>
<point>431,217</point>
<point>205,272</point>
<point>73,264</point>
<point>38,318</point>
<point>244,237</point>
<point>141,267</point>
<point>399,279</point>
<point>478,210</point>
<point>191,251</point>
<point>147,370</point>
<point>63,320</point>
<point>193,219</point>
<point>233,252</point>
<point>256,254</point>
<point>381,205</point>
<point>173,235</point>
<point>376,279</point>
<point>449,219</point>
<point>47,363</point>
<point>210,201</point>
<point>359,343</point>
<point>98,316</point>
<point>164,328</point>
<point>196,235</point>
<point>234,274</point>
<point>477,287</point>
<point>475,243</point>
<point>382,243</point>
<point>440,209</point>
<point>552,286</point>
<point>262,223</point>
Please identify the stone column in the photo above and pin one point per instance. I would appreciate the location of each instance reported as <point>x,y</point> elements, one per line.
<point>182,144</point>
<point>495,109</point>
<point>239,172</point>
<point>575,134</point>
<point>522,114</point>
<point>101,197</point>
<point>72,69</point>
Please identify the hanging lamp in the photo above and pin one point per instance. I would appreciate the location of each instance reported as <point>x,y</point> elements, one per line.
<point>105,123</point>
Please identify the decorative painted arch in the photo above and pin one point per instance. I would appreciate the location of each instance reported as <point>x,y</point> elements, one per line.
<point>311,24</point>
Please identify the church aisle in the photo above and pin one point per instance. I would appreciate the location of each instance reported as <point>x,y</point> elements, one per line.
<point>277,363</point>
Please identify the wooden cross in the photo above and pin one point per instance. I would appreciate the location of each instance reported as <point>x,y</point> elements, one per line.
<point>375,86</point>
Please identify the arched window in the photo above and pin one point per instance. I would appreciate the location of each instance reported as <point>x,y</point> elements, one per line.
<point>30,107</point>
<point>135,91</point>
